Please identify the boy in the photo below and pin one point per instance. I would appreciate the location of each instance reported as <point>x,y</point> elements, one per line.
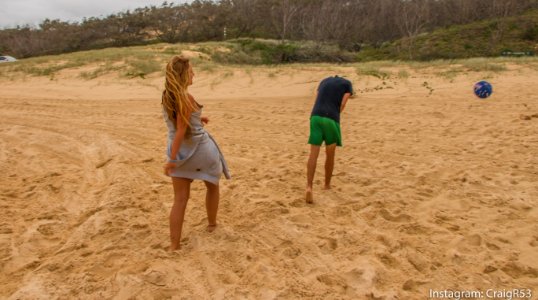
<point>333,94</point>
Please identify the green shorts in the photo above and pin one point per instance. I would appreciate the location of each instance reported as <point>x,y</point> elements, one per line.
<point>324,129</point>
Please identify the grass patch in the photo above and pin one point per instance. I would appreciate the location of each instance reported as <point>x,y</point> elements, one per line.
<point>227,74</point>
<point>141,68</point>
<point>251,55</point>
<point>218,79</point>
<point>403,74</point>
<point>367,70</point>
<point>206,67</point>
<point>272,75</point>
<point>451,73</point>
<point>172,50</point>
<point>44,67</point>
<point>483,65</point>
<point>140,61</point>
<point>269,52</point>
<point>108,67</point>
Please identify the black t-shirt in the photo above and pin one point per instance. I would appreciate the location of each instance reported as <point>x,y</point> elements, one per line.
<point>331,90</point>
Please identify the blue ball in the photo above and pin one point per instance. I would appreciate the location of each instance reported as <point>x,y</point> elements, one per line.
<point>483,89</point>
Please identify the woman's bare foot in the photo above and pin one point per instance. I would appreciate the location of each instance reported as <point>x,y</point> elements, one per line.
<point>309,196</point>
<point>327,187</point>
<point>211,227</point>
<point>174,248</point>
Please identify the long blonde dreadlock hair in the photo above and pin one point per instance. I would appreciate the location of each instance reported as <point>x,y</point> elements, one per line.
<point>175,98</point>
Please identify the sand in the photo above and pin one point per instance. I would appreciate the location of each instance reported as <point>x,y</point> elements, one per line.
<point>431,191</point>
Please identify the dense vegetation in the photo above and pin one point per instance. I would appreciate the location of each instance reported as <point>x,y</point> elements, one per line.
<point>337,30</point>
<point>488,38</point>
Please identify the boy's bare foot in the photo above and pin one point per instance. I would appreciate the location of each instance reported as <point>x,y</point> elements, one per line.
<point>309,196</point>
<point>174,248</point>
<point>211,227</point>
<point>327,187</point>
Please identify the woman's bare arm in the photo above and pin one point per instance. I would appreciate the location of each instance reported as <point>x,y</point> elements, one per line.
<point>178,138</point>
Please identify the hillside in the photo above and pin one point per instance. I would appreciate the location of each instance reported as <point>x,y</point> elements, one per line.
<point>486,38</point>
<point>479,39</point>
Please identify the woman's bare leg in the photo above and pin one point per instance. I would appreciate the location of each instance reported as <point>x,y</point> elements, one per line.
<point>212,198</point>
<point>182,188</point>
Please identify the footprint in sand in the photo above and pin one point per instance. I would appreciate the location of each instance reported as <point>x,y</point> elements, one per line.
<point>518,270</point>
<point>385,214</point>
<point>474,240</point>
<point>534,242</point>
<point>388,260</point>
<point>297,202</point>
<point>415,229</point>
<point>332,280</point>
<point>412,285</point>
<point>492,246</point>
<point>418,262</point>
<point>291,252</point>
<point>361,277</point>
<point>155,277</point>
<point>327,245</point>
<point>489,269</point>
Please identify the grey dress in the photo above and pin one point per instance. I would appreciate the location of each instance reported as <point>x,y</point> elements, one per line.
<point>199,156</point>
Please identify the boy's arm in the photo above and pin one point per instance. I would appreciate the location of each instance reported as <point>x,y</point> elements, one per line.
<point>344,101</point>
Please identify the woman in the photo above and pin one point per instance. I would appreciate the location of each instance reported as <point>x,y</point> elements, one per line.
<point>192,152</point>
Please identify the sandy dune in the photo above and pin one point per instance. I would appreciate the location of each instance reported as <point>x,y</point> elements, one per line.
<point>431,190</point>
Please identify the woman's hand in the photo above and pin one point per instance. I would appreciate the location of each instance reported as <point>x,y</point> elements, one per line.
<point>205,120</point>
<point>168,168</point>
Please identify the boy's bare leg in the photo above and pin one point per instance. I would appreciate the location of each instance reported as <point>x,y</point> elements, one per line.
<point>329,165</point>
<point>310,171</point>
<point>212,198</point>
<point>182,189</point>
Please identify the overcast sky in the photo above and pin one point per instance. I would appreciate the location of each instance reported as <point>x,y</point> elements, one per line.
<point>21,12</point>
